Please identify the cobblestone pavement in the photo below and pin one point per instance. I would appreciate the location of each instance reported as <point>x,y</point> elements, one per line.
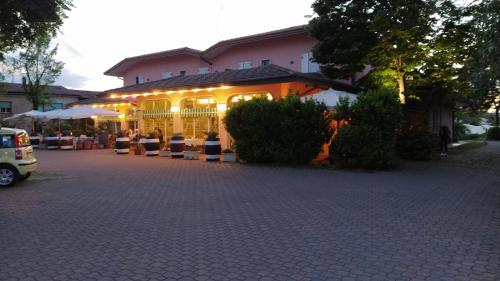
<point>110,217</point>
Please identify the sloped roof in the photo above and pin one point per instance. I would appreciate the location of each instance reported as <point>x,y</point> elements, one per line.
<point>119,68</point>
<point>241,77</point>
<point>100,100</point>
<point>17,88</point>
<point>224,45</point>
<point>126,63</point>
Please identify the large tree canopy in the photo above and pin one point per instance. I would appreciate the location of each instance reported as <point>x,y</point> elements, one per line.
<point>396,38</point>
<point>39,68</point>
<point>21,21</point>
<point>484,66</point>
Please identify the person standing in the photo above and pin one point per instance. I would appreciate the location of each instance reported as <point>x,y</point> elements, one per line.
<point>444,140</point>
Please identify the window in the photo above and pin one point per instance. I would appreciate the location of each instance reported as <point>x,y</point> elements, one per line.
<point>245,64</point>
<point>203,70</point>
<point>51,106</point>
<point>139,79</point>
<point>166,74</point>
<point>307,63</point>
<point>5,107</point>
<point>7,141</point>
<point>265,62</point>
<point>182,72</point>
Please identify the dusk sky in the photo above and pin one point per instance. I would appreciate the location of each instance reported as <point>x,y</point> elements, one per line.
<point>97,34</point>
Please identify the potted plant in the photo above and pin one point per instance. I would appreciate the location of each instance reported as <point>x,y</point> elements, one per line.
<point>50,139</point>
<point>177,146</point>
<point>192,153</point>
<point>212,147</point>
<point>228,155</point>
<point>122,144</point>
<point>152,144</point>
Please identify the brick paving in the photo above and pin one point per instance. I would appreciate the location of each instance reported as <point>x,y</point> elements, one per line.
<point>129,217</point>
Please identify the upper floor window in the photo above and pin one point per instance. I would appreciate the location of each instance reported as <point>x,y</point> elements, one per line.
<point>203,70</point>
<point>166,74</point>
<point>182,72</point>
<point>139,79</point>
<point>245,64</point>
<point>307,63</point>
<point>5,107</point>
<point>265,62</point>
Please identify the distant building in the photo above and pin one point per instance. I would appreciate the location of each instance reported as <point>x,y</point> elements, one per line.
<point>13,99</point>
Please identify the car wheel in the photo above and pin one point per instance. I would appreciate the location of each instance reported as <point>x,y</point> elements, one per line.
<point>8,176</point>
<point>21,178</point>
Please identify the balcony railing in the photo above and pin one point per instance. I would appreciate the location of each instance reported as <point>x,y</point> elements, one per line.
<point>156,114</point>
<point>199,112</point>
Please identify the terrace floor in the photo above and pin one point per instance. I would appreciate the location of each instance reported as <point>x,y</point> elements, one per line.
<point>92,215</point>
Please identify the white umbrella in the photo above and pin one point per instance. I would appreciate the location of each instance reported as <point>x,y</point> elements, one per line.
<point>31,114</point>
<point>80,112</point>
<point>330,97</point>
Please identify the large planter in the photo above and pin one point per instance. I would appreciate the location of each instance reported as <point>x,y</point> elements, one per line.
<point>212,150</point>
<point>52,142</point>
<point>66,143</point>
<point>191,155</point>
<point>152,147</point>
<point>229,157</point>
<point>177,146</point>
<point>122,145</point>
<point>35,141</point>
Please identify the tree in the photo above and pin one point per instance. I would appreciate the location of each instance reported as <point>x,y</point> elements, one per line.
<point>39,68</point>
<point>394,37</point>
<point>21,21</point>
<point>484,67</point>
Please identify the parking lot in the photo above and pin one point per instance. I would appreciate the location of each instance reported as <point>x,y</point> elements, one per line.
<point>93,215</point>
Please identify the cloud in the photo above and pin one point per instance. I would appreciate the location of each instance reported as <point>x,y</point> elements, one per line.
<point>72,79</point>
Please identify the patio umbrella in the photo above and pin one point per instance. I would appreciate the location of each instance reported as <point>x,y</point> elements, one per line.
<point>36,115</point>
<point>80,113</point>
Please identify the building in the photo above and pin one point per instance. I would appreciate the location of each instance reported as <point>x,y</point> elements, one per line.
<point>13,99</point>
<point>188,91</point>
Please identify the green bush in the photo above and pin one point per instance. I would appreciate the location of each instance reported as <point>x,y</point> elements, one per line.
<point>415,143</point>
<point>361,146</point>
<point>285,131</point>
<point>368,141</point>
<point>493,133</point>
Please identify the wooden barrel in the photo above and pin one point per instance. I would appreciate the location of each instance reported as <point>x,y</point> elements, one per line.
<point>66,143</point>
<point>51,142</point>
<point>35,141</point>
<point>152,147</point>
<point>212,150</point>
<point>177,146</point>
<point>122,145</point>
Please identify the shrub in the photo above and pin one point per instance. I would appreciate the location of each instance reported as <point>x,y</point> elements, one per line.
<point>361,146</point>
<point>278,131</point>
<point>415,143</point>
<point>493,133</point>
<point>368,141</point>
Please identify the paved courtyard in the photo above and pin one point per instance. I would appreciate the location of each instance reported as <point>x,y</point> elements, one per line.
<point>92,215</point>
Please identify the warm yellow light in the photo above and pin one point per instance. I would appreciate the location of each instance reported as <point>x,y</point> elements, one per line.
<point>196,90</point>
<point>225,87</point>
<point>94,106</point>
<point>221,107</point>
<point>247,98</point>
<point>121,116</point>
<point>210,89</point>
<point>175,108</point>
<point>93,117</point>
<point>113,96</point>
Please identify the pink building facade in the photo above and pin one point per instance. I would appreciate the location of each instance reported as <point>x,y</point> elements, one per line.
<point>289,48</point>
